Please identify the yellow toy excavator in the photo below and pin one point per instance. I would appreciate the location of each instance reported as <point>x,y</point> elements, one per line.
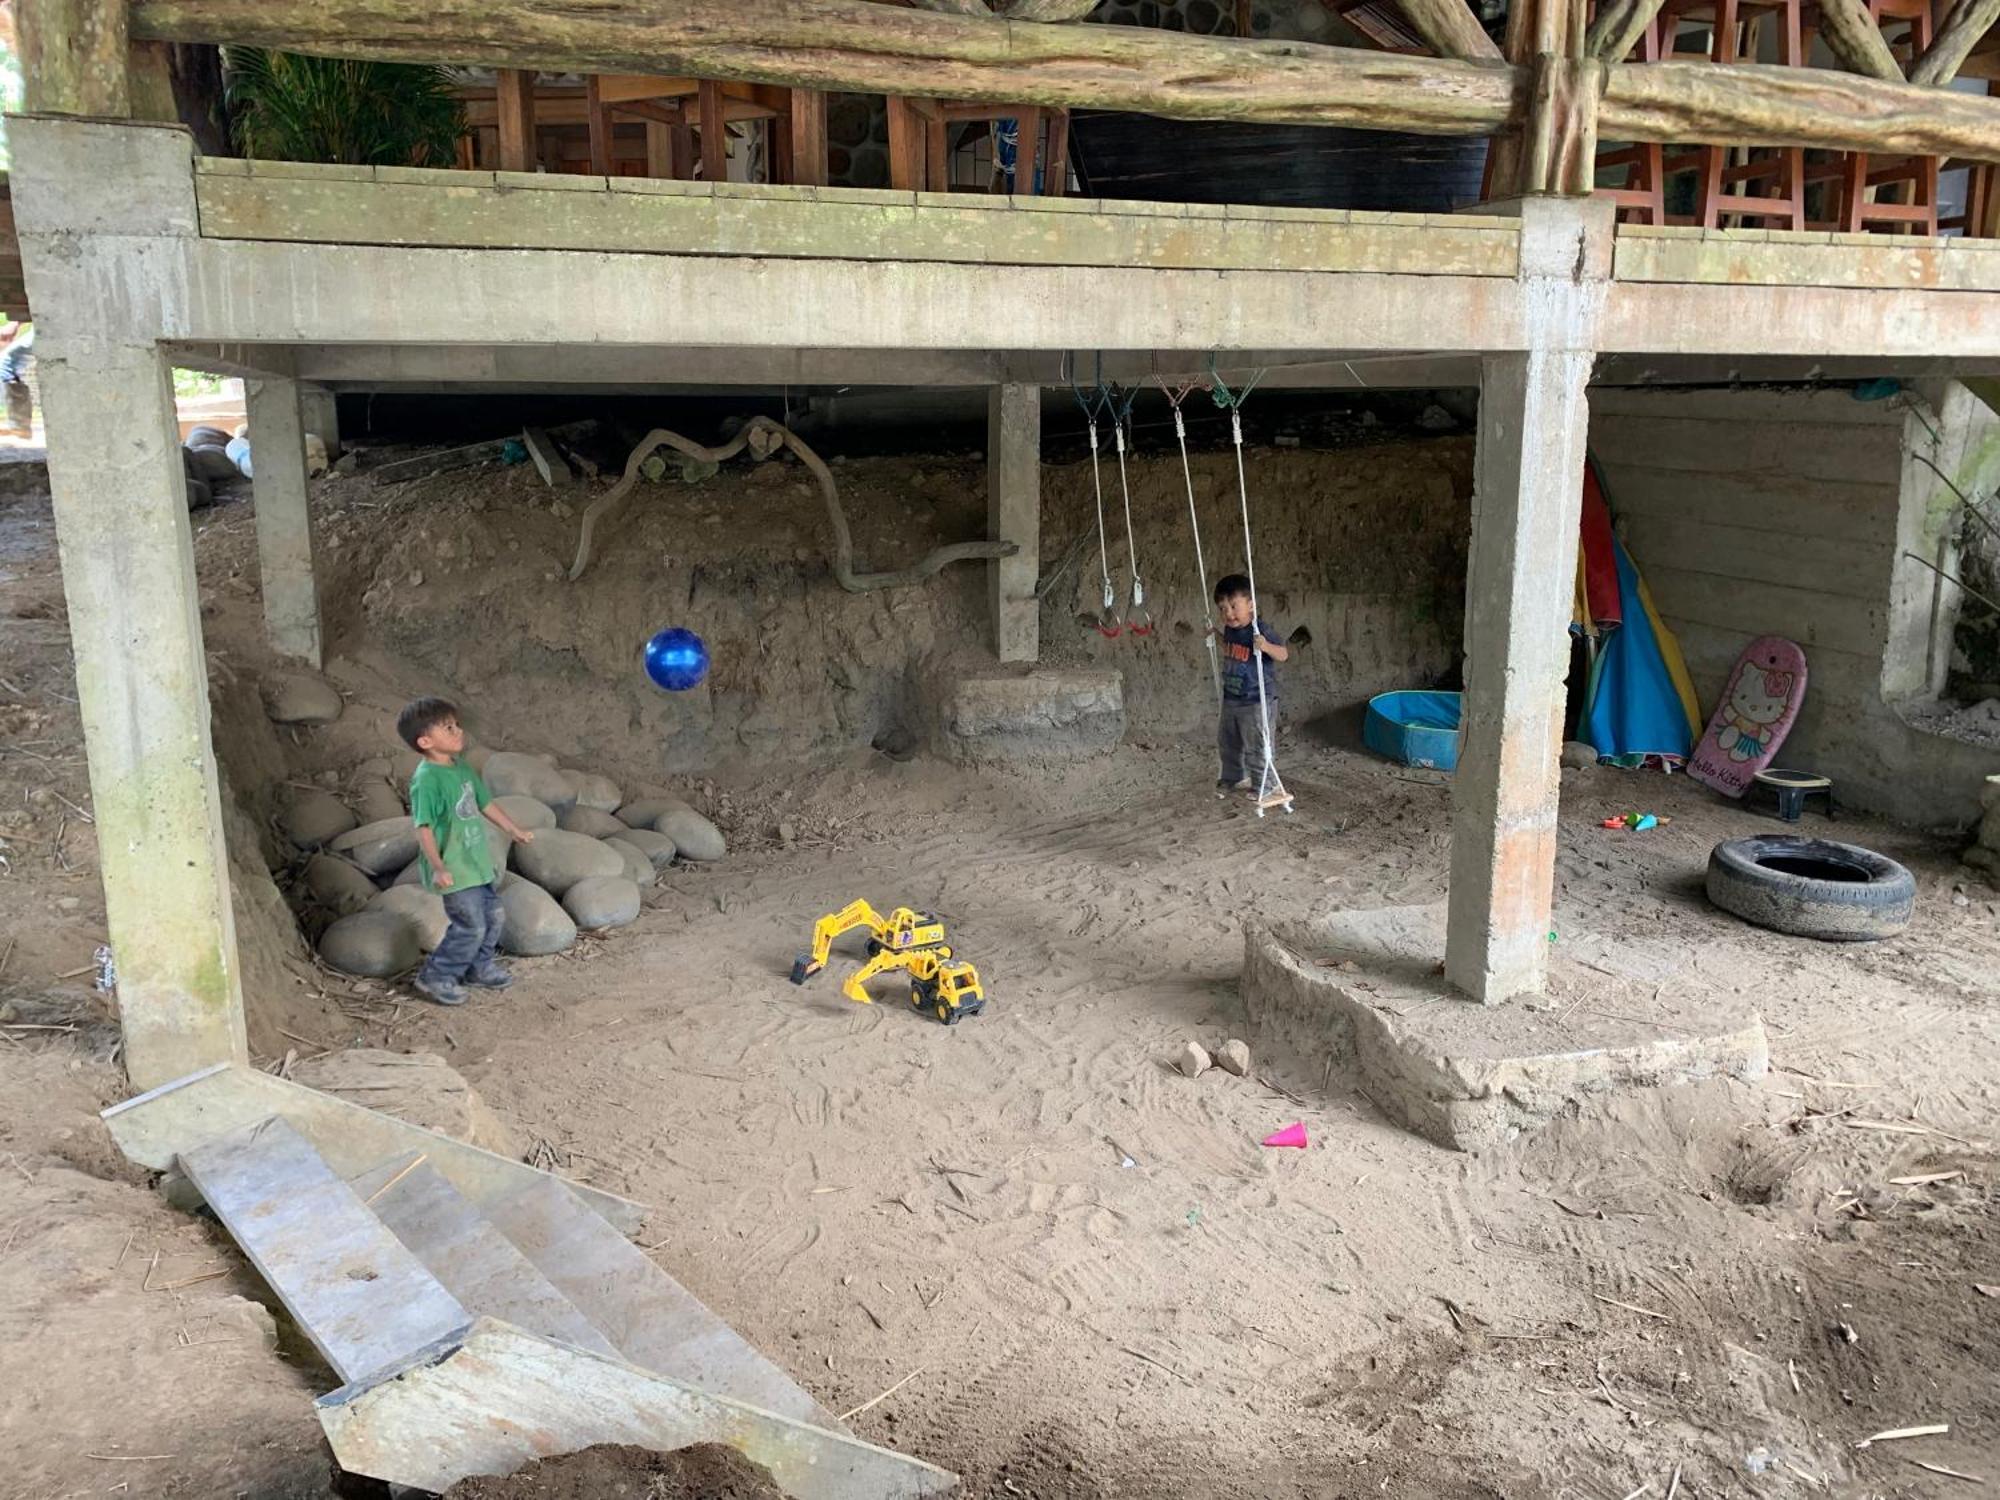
<point>913,941</point>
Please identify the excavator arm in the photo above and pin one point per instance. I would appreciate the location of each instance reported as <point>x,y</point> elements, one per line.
<point>826,929</point>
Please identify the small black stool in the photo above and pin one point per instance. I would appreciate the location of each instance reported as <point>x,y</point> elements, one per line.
<point>1792,788</point>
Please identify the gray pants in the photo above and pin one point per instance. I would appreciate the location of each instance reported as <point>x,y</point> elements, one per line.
<point>1239,738</point>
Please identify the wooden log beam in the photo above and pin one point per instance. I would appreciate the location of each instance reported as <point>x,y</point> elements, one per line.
<point>1969,21</point>
<point>1618,27</point>
<point>1854,37</point>
<point>1758,104</point>
<point>860,47</point>
<point>851,45</point>
<point>1450,29</point>
<point>73,57</point>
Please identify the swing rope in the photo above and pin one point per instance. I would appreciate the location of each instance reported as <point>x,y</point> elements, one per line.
<point>1270,789</point>
<point>1202,604</point>
<point>1108,623</point>
<point>1138,617</point>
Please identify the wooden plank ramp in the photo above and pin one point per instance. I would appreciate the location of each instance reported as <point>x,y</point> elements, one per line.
<point>495,1397</point>
<point>350,1285</point>
<point>469,1256</point>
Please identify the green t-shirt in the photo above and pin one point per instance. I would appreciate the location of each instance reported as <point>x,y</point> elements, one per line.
<point>448,801</point>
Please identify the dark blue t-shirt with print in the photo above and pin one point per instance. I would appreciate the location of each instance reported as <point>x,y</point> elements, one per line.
<point>1239,656</point>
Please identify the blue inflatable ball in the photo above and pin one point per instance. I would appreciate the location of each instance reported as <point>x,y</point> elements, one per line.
<point>676,659</point>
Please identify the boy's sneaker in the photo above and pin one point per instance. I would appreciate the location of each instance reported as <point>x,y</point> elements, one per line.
<point>492,977</point>
<point>439,991</point>
<point>1224,786</point>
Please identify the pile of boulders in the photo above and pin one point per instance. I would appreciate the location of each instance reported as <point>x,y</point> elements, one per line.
<point>593,854</point>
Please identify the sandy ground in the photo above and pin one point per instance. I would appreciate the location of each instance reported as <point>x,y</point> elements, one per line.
<point>1086,1275</point>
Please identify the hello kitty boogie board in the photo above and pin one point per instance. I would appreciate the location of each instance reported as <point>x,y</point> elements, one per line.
<point>1766,687</point>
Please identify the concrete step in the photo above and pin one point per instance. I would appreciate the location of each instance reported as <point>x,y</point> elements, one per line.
<point>352,1287</point>
<point>650,1318</point>
<point>468,1255</point>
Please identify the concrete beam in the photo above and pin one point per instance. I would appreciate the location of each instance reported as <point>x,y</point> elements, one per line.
<point>142,682</point>
<point>311,203</point>
<point>284,519</point>
<point>1527,508</point>
<point>1014,514</point>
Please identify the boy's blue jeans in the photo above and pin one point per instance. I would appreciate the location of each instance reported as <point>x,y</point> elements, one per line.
<point>477,920</point>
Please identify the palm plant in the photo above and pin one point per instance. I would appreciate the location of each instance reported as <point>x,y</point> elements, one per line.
<point>284,107</point>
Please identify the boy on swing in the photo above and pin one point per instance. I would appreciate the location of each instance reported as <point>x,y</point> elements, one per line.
<point>1247,646</point>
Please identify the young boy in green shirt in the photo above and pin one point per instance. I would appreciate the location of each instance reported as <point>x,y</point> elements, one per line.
<point>451,807</point>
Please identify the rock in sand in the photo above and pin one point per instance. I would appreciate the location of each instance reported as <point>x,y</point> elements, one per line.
<point>300,698</point>
<point>604,901</point>
<point>376,799</point>
<point>339,885</point>
<point>536,923</point>
<point>419,1088</point>
<point>655,846</point>
<point>643,812</point>
<point>1579,755</point>
<point>508,773</point>
<point>526,811</point>
<point>638,869</point>
<point>600,792</point>
<point>375,944</point>
<point>555,861</point>
<point>693,835</point>
<point>1192,1059</point>
<point>1234,1057</point>
<point>313,818</point>
<point>590,822</point>
<point>380,848</point>
<point>476,756</point>
<point>422,909</point>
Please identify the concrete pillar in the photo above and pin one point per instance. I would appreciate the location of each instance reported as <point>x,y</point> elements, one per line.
<point>142,684</point>
<point>1014,514</point>
<point>1527,508</point>
<point>284,519</point>
<point>319,413</point>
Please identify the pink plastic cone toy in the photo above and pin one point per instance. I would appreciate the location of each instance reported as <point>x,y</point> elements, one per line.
<point>1293,1134</point>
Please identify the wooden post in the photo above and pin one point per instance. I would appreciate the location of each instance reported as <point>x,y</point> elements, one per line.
<point>1854,36</point>
<point>74,57</point>
<point>937,152</point>
<point>659,150</point>
<point>1055,176</point>
<point>515,96</point>
<point>1618,27</point>
<point>1562,127</point>
<point>808,117</point>
<point>1450,29</point>
<point>1969,21</point>
<point>1025,150</point>
<point>599,115</point>
<point>714,131</point>
<point>906,145</point>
